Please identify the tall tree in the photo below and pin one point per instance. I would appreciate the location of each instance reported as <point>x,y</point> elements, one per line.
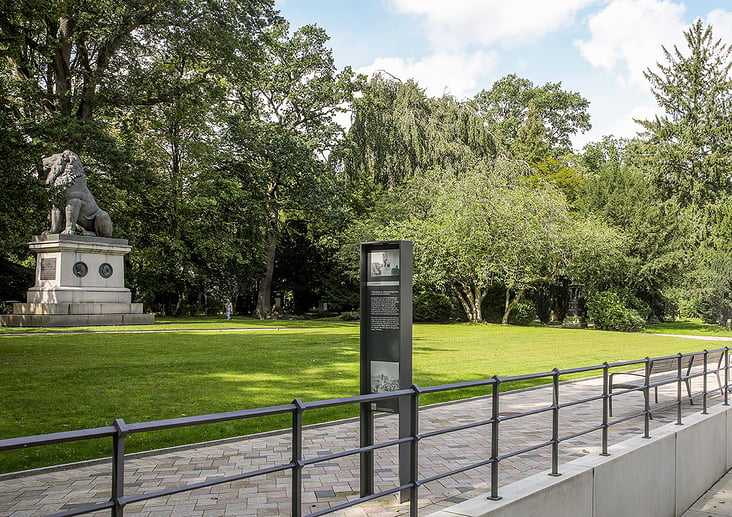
<point>284,128</point>
<point>710,284</point>
<point>136,88</point>
<point>399,132</point>
<point>70,57</point>
<point>658,234</point>
<point>511,100</point>
<point>691,140</point>
<point>487,229</point>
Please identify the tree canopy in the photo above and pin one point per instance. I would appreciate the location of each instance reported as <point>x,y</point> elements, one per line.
<point>512,102</point>
<point>209,131</point>
<point>690,140</point>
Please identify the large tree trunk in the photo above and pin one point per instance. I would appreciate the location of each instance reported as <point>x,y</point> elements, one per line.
<point>471,298</point>
<point>511,304</point>
<point>62,64</point>
<point>264,295</point>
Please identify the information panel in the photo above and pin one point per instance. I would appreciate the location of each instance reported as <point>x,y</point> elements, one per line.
<point>386,318</point>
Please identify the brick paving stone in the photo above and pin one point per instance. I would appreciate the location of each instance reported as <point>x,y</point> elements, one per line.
<point>336,481</point>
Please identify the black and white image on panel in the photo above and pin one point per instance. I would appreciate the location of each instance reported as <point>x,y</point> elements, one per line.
<point>383,264</point>
<point>384,376</point>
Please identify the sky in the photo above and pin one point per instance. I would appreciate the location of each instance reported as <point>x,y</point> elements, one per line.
<point>598,48</point>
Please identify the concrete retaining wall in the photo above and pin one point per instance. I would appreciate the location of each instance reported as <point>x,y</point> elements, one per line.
<point>657,477</point>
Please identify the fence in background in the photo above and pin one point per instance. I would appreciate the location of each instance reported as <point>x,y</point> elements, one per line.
<point>118,432</point>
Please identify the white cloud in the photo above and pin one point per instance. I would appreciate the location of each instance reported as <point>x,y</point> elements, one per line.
<point>626,36</point>
<point>625,126</point>
<point>461,23</point>
<point>721,22</point>
<point>612,116</point>
<point>456,73</point>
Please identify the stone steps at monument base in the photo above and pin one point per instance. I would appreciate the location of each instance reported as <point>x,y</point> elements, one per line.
<point>74,320</point>
<point>78,295</point>
<point>77,308</point>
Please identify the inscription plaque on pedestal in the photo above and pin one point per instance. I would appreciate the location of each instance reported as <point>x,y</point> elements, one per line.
<point>48,269</point>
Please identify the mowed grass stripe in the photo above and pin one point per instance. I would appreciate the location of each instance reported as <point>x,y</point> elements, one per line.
<point>54,383</point>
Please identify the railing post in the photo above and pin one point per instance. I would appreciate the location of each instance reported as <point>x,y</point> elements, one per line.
<point>605,406</point>
<point>297,457</point>
<point>678,390</point>
<point>704,395</point>
<point>118,467</point>
<point>726,376</point>
<point>647,392</point>
<point>555,423</point>
<point>495,419</point>
<point>414,452</point>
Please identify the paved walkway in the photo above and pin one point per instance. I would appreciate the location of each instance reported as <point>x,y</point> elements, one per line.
<point>717,502</point>
<point>331,483</point>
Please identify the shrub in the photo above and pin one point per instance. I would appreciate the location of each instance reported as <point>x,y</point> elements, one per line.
<point>688,308</point>
<point>432,306</point>
<point>609,312</point>
<point>349,316</point>
<point>523,314</point>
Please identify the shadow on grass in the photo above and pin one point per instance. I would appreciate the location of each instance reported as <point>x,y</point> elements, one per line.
<point>83,381</point>
<point>688,327</point>
<point>68,382</point>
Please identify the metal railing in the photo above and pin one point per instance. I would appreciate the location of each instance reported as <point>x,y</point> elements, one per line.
<point>119,431</point>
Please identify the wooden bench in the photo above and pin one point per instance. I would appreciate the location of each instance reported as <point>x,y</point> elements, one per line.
<point>715,364</point>
<point>665,371</point>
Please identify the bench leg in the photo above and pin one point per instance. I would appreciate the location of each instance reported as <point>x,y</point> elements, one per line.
<point>645,401</point>
<point>719,383</point>
<point>688,390</point>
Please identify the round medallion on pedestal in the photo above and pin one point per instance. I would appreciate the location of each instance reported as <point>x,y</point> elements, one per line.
<point>80,269</point>
<point>105,270</point>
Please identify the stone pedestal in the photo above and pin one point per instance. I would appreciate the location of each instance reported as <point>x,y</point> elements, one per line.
<point>575,309</point>
<point>79,282</point>
<point>574,322</point>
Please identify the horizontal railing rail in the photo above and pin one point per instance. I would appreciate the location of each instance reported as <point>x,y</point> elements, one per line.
<point>699,367</point>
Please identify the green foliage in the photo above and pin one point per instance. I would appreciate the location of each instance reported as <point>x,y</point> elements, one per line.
<point>657,234</point>
<point>524,313</point>
<point>75,59</point>
<point>24,201</point>
<point>284,126</point>
<point>486,228</point>
<point>564,173</point>
<point>14,281</point>
<point>711,281</point>
<point>531,143</point>
<point>209,133</point>
<point>711,286</point>
<point>138,90</point>
<point>398,133</point>
<point>691,141</point>
<point>608,311</point>
<point>518,112</point>
<point>433,306</point>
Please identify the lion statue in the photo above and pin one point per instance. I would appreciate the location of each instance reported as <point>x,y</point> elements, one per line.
<point>74,210</point>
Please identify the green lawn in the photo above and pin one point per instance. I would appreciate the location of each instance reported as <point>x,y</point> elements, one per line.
<point>67,381</point>
<point>189,323</point>
<point>689,327</point>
